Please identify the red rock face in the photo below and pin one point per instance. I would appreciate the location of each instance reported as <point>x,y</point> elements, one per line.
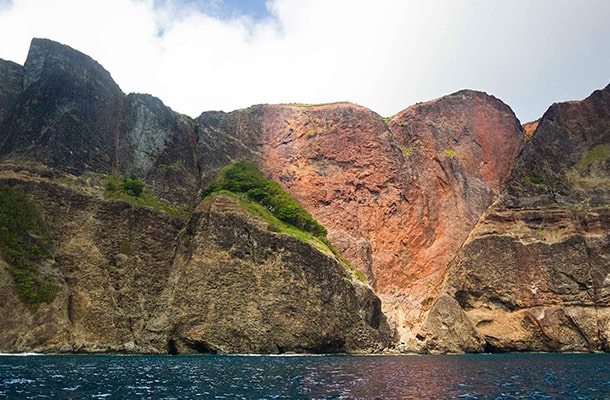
<point>398,199</point>
<point>340,162</point>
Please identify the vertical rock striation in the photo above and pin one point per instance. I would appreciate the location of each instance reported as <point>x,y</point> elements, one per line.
<point>534,273</point>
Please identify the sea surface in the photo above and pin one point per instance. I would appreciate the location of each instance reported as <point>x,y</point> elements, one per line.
<point>506,376</point>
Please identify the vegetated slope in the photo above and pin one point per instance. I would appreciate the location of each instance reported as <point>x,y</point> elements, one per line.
<point>129,277</point>
<point>533,276</point>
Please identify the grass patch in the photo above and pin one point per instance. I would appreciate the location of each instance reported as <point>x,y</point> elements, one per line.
<point>242,177</point>
<point>24,242</point>
<point>533,179</point>
<point>266,199</point>
<point>134,191</point>
<point>600,152</point>
<point>407,150</point>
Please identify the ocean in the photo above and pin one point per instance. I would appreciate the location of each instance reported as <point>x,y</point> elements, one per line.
<point>498,376</point>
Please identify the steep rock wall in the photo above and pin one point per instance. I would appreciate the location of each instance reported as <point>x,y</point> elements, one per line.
<point>534,273</point>
<point>133,279</point>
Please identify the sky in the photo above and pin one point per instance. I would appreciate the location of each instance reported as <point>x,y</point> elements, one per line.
<point>201,55</point>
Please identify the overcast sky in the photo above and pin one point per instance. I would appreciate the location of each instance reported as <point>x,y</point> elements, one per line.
<point>382,54</point>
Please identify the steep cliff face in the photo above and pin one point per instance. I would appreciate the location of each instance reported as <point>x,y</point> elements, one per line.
<point>458,152</point>
<point>533,275</point>
<point>63,109</point>
<point>241,288</point>
<point>224,138</point>
<point>68,102</point>
<point>159,145</point>
<point>11,84</point>
<point>473,238</point>
<point>133,279</point>
<point>398,199</point>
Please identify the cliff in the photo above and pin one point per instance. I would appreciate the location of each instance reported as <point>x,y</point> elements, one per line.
<point>134,279</point>
<point>140,272</point>
<point>533,274</point>
<point>475,233</point>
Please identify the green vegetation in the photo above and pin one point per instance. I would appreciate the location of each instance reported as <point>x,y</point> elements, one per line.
<point>600,152</point>
<point>533,179</point>
<point>407,150</point>
<point>360,276</point>
<point>125,248</point>
<point>246,178</point>
<point>450,153</point>
<point>134,191</point>
<point>24,242</point>
<point>266,199</point>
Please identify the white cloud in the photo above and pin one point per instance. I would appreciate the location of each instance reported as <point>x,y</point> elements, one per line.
<point>383,54</point>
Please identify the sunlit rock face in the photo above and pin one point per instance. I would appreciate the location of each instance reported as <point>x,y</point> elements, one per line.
<point>477,234</point>
<point>398,198</point>
<point>534,273</point>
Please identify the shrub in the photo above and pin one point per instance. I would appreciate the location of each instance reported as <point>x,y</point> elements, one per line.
<point>133,186</point>
<point>245,178</point>
<point>133,190</point>
<point>25,241</point>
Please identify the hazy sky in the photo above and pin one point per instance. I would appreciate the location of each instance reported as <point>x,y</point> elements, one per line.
<point>382,54</point>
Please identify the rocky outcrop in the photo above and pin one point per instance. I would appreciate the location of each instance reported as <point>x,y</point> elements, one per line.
<point>134,279</point>
<point>64,110</point>
<point>159,145</point>
<point>240,288</point>
<point>11,83</point>
<point>388,193</point>
<point>534,273</point>
<point>67,113</point>
<point>458,151</point>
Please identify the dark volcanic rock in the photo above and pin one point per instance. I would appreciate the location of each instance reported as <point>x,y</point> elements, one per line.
<point>224,138</point>
<point>11,85</point>
<point>68,115</point>
<point>567,161</point>
<point>159,145</point>
<point>132,279</point>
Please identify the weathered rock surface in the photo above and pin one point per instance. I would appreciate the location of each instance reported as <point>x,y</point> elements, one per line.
<point>63,109</point>
<point>136,280</point>
<point>241,288</point>
<point>398,201</point>
<point>534,274</point>
<point>11,84</point>
<point>68,112</point>
<point>475,234</point>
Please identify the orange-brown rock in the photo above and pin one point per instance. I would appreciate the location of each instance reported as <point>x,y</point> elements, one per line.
<point>458,152</point>
<point>398,200</point>
<point>534,273</point>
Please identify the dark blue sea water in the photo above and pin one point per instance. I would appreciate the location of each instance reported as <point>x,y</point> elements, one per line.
<point>509,376</point>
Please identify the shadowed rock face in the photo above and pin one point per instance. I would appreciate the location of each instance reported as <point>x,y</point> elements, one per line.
<point>533,276</point>
<point>68,113</point>
<point>63,109</point>
<point>160,146</point>
<point>11,84</point>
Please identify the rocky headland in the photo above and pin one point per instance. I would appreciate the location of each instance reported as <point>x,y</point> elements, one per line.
<point>473,232</point>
